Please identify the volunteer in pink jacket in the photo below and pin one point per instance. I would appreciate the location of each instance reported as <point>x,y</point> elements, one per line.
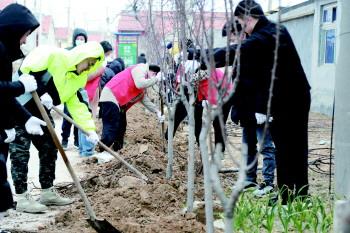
<point>123,91</point>
<point>206,89</point>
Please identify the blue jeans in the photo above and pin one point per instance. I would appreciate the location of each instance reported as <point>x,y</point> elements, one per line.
<point>251,136</point>
<point>86,148</point>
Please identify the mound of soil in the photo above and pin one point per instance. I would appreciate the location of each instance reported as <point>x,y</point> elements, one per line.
<point>132,205</point>
<point>127,202</point>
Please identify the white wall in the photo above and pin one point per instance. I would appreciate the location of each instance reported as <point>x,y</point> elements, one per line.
<point>323,76</point>
<point>303,23</point>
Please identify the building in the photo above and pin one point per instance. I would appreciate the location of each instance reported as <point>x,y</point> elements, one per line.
<point>134,32</point>
<point>47,31</point>
<point>62,36</point>
<point>313,27</point>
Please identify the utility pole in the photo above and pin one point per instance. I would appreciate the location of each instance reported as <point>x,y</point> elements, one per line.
<point>37,7</point>
<point>342,120</point>
<point>68,15</point>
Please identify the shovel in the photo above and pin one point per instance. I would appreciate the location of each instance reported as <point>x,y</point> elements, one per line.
<point>106,148</point>
<point>101,226</point>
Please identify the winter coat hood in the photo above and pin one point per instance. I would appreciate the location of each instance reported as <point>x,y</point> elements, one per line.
<point>15,21</point>
<point>79,32</point>
<point>61,64</point>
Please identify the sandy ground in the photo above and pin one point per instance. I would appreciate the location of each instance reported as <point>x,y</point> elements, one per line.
<point>130,204</point>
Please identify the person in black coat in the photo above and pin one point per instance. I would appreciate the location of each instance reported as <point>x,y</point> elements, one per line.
<point>291,93</point>
<point>16,23</point>
<point>114,67</point>
<point>141,59</point>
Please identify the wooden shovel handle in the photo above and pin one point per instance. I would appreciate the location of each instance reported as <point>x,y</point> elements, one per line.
<point>106,148</point>
<point>55,139</point>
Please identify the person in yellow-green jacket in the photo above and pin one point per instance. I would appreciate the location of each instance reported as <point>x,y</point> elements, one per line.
<point>59,74</point>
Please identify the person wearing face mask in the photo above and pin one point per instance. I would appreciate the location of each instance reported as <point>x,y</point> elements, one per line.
<point>90,96</point>
<point>243,113</point>
<point>60,74</point>
<point>111,68</point>
<point>16,23</point>
<point>120,94</point>
<point>290,100</point>
<point>79,37</point>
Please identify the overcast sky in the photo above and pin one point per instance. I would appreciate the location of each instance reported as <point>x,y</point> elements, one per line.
<point>92,14</point>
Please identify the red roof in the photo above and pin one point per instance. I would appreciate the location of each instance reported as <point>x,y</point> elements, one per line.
<point>4,3</point>
<point>165,22</point>
<point>46,22</point>
<point>129,23</point>
<point>61,33</point>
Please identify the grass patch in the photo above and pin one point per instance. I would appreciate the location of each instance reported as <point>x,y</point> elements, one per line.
<point>252,214</point>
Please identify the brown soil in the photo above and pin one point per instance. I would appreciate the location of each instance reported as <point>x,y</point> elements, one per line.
<point>152,207</point>
<point>156,206</point>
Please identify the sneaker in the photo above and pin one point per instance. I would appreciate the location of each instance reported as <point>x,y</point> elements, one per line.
<point>64,145</point>
<point>4,214</point>
<point>26,203</point>
<point>103,157</point>
<point>50,196</point>
<point>249,184</point>
<point>76,145</point>
<point>263,189</point>
<point>4,231</point>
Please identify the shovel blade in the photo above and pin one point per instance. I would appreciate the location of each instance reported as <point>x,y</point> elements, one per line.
<point>102,226</point>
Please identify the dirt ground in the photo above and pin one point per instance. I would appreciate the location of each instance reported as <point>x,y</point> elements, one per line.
<point>131,205</point>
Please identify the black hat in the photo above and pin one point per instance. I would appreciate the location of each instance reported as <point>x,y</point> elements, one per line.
<point>169,45</point>
<point>106,46</point>
<point>249,7</point>
<point>234,30</point>
<point>154,68</point>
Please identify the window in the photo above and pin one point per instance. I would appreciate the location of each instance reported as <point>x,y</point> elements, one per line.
<point>327,34</point>
<point>329,48</point>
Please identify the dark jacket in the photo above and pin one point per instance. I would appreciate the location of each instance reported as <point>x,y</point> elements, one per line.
<point>3,136</point>
<point>114,67</point>
<point>15,21</point>
<point>141,59</point>
<point>257,59</point>
<point>78,32</point>
<point>121,61</point>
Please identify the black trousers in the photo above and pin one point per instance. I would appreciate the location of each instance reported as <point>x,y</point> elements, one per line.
<point>6,200</point>
<point>114,125</point>
<point>181,113</point>
<point>66,126</point>
<point>289,131</point>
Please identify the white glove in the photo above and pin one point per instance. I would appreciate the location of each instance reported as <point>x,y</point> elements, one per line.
<point>93,137</point>
<point>205,103</point>
<point>11,135</point>
<point>33,126</point>
<point>260,118</point>
<point>191,66</point>
<point>28,82</point>
<point>46,100</point>
<point>161,117</point>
